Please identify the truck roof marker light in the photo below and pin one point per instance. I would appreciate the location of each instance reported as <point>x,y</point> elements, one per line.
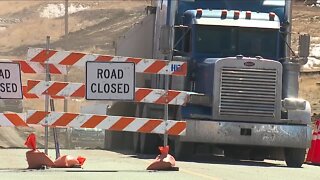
<point>236,14</point>
<point>199,13</point>
<point>271,16</point>
<point>224,13</point>
<point>248,14</point>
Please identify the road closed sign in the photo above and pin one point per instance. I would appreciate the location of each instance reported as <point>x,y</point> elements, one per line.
<point>10,81</point>
<point>110,81</point>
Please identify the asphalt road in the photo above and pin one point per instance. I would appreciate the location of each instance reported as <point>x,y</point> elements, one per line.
<point>102,164</point>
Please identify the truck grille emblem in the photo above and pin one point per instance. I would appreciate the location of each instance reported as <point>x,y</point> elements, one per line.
<point>249,63</point>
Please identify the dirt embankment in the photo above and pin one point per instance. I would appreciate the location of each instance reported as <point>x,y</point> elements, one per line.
<point>93,27</point>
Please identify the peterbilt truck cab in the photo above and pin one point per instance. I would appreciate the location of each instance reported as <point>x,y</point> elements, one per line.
<point>242,78</point>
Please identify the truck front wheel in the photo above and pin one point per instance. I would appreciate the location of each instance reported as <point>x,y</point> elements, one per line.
<point>294,157</point>
<point>183,150</point>
<point>120,140</point>
<point>149,143</point>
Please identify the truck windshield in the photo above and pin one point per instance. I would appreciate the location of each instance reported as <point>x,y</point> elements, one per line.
<point>220,41</point>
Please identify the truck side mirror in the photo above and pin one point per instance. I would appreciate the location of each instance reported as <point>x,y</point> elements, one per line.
<point>165,39</point>
<point>304,45</point>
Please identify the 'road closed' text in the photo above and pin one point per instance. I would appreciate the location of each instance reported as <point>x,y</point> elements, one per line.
<point>110,81</point>
<point>109,88</point>
<point>9,87</point>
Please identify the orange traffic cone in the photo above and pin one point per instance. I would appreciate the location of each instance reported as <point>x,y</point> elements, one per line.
<point>164,161</point>
<point>313,155</point>
<point>68,161</point>
<point>35,158</point>
<point>316,153</point>
<point>311,150</point>
<point>38,160</point>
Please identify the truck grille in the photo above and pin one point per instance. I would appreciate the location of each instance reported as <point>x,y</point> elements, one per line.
<point>248,92</point>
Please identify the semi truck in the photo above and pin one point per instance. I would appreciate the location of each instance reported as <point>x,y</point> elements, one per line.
<point>243,79</point>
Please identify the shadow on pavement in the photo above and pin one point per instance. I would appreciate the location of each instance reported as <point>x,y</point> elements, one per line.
<point>211,159</point>
<point>207,158</point>
<point>223,160</point>
<point>312,164</point>
<point>13,170</point>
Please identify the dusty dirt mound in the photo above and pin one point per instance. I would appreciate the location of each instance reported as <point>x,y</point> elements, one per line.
<point>92,29</point>
<point>10,137</point>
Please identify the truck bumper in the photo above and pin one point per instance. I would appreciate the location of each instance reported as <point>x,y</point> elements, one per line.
<point>251,134</point>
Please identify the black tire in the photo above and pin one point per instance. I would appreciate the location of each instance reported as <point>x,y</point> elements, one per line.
<point>120,140</point>
<point>294,157</point>
<point>183,150</point>
<point>149,143</point>
<point>136,142</point>
<point>136,136</point>
<point>117,140</point>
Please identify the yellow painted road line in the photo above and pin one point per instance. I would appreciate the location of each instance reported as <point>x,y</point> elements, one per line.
<point>199,174</point>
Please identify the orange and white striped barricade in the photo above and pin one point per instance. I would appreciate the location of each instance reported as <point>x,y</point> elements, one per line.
<point>113,123</point>
<point>13,120</point>
<point>38,68</point>
<point>27,95</point>
<point>142,65</point>
<point>77,90</point>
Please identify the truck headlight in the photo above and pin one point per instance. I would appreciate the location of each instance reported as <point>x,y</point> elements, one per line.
<point>294,104</point>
